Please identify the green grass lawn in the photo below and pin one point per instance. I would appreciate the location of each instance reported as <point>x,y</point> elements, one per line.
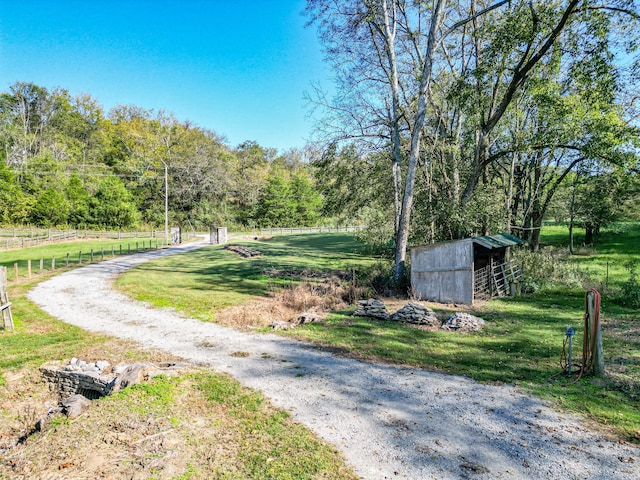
<point>605,261</point>
<point>521,344</point>
<point>202,282</point>
<point>76,250</point>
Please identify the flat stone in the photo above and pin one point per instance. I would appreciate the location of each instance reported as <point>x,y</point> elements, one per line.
<point>74,405</point>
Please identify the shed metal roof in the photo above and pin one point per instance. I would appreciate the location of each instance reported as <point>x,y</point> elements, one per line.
<point>498,241</point>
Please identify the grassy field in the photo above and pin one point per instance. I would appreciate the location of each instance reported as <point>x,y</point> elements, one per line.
<point>605,262</point>
<point>80,250</point>
<point>203,282</point>
<point>521,344</point>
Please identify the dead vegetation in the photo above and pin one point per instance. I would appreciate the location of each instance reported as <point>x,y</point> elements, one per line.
<point>292,293</point>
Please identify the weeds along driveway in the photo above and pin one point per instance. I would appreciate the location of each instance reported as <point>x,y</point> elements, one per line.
<point>389,422</point>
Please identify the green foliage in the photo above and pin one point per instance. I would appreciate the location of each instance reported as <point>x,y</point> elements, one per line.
<point>548,268</point>
<point>355,186</point>
<point>112,205</point>
<point>51,209</point>
<point>15,205</point>
<point>275,205</point>
<point>631,288</point>
<point>285,203</point>
<point>308,202</point>
<point>378,234</point>
<point>107,170</point>
<point>78,199</point>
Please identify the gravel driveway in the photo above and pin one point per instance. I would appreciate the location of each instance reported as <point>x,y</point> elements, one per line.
<point>389,422</point>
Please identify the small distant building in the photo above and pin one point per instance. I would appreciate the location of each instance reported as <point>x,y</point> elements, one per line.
<point>460,271</point>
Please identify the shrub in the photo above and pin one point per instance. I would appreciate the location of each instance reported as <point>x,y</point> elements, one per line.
<point>549,267</point>
<point>631,288</point>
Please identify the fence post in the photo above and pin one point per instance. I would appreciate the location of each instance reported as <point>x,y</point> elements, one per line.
<point>80,257</point>
<point>112,250</point>
<point>7,318</point>
<point>128,248</point>
<point>67,262</point>
<point>92,254</point>
<point>41,264</point>
<point>15,271</point>
<point>102,254</point>
<point>53,263</point>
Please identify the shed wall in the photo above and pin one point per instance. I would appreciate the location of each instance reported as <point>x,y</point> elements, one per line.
<point>443,272</point>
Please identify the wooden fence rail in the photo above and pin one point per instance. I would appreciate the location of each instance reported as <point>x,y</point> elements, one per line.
<point>23,237</point>
<point>26,268</point>
<point>296,230</point>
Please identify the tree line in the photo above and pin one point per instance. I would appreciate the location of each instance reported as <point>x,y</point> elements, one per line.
<point>64,161</point>
<point>465,118</point>
<point>449,119</point>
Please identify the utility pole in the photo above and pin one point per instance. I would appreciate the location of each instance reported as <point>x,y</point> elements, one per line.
<point>166,203</point>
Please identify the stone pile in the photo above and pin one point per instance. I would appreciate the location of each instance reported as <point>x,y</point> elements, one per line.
<point>243,251</point>
<point>417,314</point>
<point>93,380</point>
<point>303,319</point>
<point>372,308</point>
<point>79,377</point>
<point>308,317</point>
<point>463,322</point>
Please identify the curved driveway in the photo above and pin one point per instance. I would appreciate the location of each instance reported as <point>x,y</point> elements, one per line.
<point>389,422</point>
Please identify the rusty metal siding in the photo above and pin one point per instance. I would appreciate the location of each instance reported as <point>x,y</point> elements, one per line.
<point>443,272</point>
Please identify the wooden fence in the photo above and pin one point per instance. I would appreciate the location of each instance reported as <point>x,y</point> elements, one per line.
<point>293,230</point>
<point>30,237</point>
<point>30,267</point>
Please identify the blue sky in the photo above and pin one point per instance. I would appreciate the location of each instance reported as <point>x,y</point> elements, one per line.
<point>238,67</point>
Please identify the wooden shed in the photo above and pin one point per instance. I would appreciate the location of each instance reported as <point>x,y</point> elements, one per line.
<point>460,271</point>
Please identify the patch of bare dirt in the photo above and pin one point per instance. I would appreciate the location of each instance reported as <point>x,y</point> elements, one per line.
<point>98,444</point>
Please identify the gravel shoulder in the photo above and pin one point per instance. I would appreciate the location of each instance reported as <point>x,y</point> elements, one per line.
<point>389,422</point>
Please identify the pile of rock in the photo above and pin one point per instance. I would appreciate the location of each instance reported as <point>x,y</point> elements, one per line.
<point>78,382</point>
<point>372,308</point>
<point>463,322</point>
<point>243,251</point>
<point>303,319</point>
<point>79,377</point>
<point>417,314</point>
